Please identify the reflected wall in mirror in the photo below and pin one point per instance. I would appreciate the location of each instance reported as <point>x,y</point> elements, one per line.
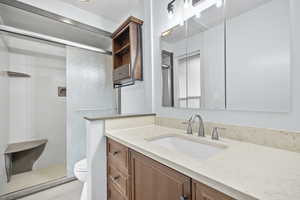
<point>258,55</point>
<point>193,63</point>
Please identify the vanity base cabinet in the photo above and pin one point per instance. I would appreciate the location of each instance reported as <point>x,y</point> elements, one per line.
<point>203,192</point>
<point>118,187</point>
<point>133,176</point>
<point>154,181</point>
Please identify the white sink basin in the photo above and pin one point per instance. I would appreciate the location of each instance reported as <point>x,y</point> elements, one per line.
<point>197,150</point>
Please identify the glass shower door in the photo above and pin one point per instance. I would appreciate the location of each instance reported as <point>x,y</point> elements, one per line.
<point>90,93</point>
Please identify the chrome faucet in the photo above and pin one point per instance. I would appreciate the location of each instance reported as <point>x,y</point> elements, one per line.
<point>190,122</point>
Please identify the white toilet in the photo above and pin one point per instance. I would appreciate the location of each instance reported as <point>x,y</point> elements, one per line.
<point>81,172</point>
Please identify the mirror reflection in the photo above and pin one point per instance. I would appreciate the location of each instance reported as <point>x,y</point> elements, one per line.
<point>193,64</point>
<point>244,67</point>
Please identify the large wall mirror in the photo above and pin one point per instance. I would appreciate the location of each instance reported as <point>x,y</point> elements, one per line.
<point>193,63</point>
<point>242,63</point>
<point>258,55</point>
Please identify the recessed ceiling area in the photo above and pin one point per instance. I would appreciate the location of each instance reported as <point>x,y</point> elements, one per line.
<point>111,9</point>
<point>35,23</point>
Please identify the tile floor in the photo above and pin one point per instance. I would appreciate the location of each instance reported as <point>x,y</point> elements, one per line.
<point>69,191</point>
<point>35,177</point>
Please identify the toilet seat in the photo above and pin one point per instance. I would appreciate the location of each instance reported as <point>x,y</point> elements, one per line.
<point>81,170</point>
<point>81,166</point>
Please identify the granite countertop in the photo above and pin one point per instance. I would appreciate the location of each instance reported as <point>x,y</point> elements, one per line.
<point>243,171</point>
<point>115,116</point>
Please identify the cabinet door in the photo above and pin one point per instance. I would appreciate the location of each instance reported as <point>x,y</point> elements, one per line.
<point>154,181</point>
<point>203,192</point>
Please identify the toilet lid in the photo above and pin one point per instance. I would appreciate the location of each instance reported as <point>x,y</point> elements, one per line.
<point>81,166</point>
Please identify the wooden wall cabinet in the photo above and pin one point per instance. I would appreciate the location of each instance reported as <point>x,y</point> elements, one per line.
<point>133,176</point>
<point>127,52</point>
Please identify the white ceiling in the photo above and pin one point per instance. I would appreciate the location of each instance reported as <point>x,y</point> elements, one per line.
<point>111,9</point>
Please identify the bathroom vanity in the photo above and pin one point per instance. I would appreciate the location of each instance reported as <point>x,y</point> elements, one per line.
<point>144,157</point>
<point>134,176</point>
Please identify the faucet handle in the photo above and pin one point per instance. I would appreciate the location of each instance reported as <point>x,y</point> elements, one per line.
<point>215,133</point>
<point>189,129</point>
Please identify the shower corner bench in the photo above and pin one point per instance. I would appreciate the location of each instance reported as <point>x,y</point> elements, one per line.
<point>20,157</point>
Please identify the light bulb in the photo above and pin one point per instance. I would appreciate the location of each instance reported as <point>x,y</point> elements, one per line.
<point>186,4</point>
<point>219,3</point>
<point>170,14</point>
<point>181,23</point>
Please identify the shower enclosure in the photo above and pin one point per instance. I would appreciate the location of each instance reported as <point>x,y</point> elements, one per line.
<point>49,80</point>
<point>34,148</point>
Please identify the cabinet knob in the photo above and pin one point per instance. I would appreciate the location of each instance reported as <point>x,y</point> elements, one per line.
<point>183,198</point>
<point>115,153</point>
<point>116,178</point>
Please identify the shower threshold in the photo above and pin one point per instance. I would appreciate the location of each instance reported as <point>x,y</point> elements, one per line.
<point>38,188</point>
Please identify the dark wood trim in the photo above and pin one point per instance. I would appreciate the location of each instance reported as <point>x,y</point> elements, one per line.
<point>129,19</point>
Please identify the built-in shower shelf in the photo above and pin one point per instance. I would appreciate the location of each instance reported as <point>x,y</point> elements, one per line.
<point>17,74</point>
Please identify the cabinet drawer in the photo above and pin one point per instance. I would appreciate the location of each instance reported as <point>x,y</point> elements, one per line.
<point>114,194</point>
<point>119,179</point>
<point>118,156</point>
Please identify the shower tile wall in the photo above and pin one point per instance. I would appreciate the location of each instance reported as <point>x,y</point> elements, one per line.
<point>36,111</point>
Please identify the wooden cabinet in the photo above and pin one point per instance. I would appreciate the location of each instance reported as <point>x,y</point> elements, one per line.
<point>203,192</point>
<point>133,176</point>
<point>117,171</point>
<point>154,181</point>
<point>127,52</point>
<point>118,156</point>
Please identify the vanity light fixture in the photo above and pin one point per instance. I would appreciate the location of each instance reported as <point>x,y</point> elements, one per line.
<point>171,9</point>
<point>194,10</point>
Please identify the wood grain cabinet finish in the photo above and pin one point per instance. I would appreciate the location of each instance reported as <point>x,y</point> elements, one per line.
<point>118,177</point>
<point>203,192</point>
<point>127,51</point>
<point>133,176</point>
<point>118,156</point>
<point>114,193</point>
<point>154,181</point>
